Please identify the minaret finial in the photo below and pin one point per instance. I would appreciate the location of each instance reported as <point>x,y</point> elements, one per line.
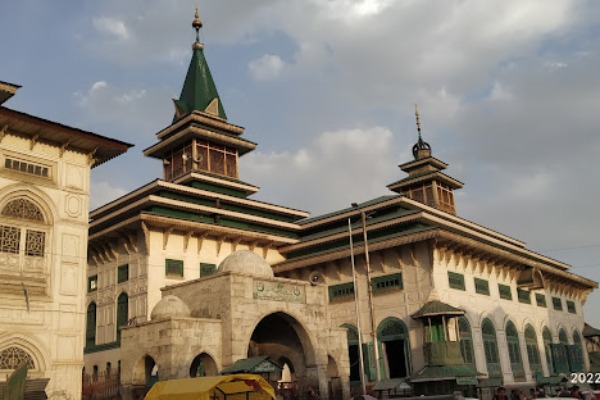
<point>421,149</point>
<point>418,120</point>
<point>197,24</point>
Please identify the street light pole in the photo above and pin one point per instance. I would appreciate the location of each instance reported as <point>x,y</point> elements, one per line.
<point>363,218</point>
<point>357,307</point>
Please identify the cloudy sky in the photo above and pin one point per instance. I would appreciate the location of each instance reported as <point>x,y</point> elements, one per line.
<point>508,91</point>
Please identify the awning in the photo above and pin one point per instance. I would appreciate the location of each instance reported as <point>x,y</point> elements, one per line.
<point>437,308</point>
<point>391,384</point>
<point>230,387</point>
<point>444,373</point>
<point>254,365</point>
<point>553,380</point>
<point>590,331</point>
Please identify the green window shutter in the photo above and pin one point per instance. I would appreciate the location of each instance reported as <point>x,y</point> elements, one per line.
<point>90,331</point>
<point>122,313</point>
<point>123,273</point>
<point>505,292</point>
<point>93,283</point>
<point>557,303</point>
<point>387,282</point>
<point>173,267</point>
<point>369,362</point>
<point>343,290</point>
<point>575,358</point>
<point>560,359</point>
<point>540,300</point>
<point>456,280</point>
<point>524,296</point>
<point>207,269</point>
<point>482,286</point>
<point>571,307</point>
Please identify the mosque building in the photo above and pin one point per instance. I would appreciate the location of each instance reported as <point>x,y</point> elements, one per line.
<point>188,275</point>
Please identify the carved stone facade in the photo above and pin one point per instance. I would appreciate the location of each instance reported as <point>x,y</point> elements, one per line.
<point>44,196</point>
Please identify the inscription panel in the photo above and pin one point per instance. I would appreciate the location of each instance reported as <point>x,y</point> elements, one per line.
<point>278,291</point>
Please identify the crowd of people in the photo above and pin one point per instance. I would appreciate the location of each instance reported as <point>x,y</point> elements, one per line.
<point>538,393</point>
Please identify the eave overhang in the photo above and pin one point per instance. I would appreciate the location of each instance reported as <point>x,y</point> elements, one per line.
<point>429,176</point>
<point>97,147</point>
<point>409,166</point>
<point>219,180</point>
<point>7,90</point>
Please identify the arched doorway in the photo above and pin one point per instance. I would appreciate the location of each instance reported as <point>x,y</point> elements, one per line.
<point>203,365</point>
<point>393,341</point>
<point>353,352</point>
<point>490,347</point>
<point>145,372</point>
<point>281,337</point>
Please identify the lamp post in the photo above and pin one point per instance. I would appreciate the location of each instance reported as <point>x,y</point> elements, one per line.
<point>357,307</point>
<point>363,217</point>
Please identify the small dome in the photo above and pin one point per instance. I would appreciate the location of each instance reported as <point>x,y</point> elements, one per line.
<point>170,306</point>
<point>247,262</point>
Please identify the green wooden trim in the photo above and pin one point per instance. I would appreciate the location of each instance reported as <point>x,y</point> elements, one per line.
<point>102,347</point>
<point>123,273</point>
<point>482,286</point>
<point>505,292</point>
<point>343,290</point>
<point>173,267</point>
<point>524,296</point>
<point>207,269</point>
<point>387,282</point>
<point>557,303</point>
<point>540,300</point>
<point>456,280</point>
<point>218,189</point>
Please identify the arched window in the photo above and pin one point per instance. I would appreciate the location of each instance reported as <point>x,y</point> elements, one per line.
<point>547,338</point>
<point>122,313</point>
<point>353,351</point>
<point>514,351</point>
<point>490,347</point>
<point>23,232</point>
<point>90,330</point>
<point>394,347</point>
<point>11,357</point>
<point>562,337</point>
<point>466,341</point>
<point>533,354</point>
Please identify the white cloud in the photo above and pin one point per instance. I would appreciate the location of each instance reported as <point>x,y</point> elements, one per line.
<point>268,67</point>
<point>104,192</point>
<point>111,26</point>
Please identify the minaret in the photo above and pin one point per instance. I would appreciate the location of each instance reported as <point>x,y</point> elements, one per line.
<point>425,182</point>
<point>200,147</point>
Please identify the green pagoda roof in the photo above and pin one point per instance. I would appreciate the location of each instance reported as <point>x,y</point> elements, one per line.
<point>444,372</point>
<point>251,365</point>
<point>437,308</point>
<point>199,91</point>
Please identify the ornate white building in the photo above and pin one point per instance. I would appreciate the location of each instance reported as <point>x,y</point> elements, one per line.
<point>44,196</point>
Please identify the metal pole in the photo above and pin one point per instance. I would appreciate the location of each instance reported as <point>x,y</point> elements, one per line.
<point>363,217</point>
<point>357,306</point>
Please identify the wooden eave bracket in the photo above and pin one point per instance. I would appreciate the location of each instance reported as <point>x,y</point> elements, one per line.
<point>3,132</point>
<point>146,231</point>
<point>33,141</point>
<point>90,156</point>
<point>186,240</point>
<point>200,240</point>
<point>63,148</point>
<point>266,248</point>
<point>220,241</point>
<point>234,244</point>
<point>166,233</point>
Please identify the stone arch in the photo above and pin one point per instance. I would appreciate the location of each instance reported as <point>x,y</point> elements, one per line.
<point>143,373</point>
<point>576,357</point>
<point>514,350</point>
<point>490,347</point>
<point>394,346</point>
<point>203,365</point>
<point>280,334</point>
<point>334,381</point>
<point>36,351</point>
<point>36,196</point>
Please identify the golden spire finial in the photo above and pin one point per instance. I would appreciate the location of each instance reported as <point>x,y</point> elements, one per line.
<point>197,24</point>
<point>418,120</point>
